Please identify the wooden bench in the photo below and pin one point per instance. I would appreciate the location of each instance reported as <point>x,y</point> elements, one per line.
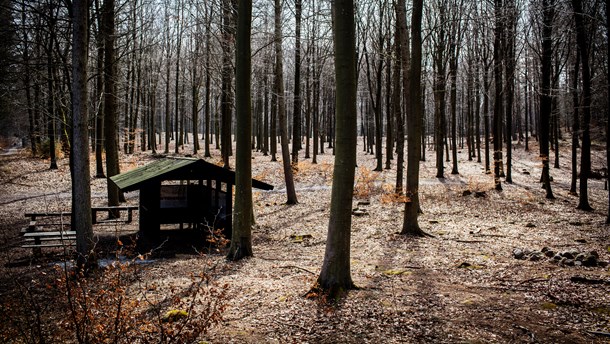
<point>42,239</point>
<point>128,208</point>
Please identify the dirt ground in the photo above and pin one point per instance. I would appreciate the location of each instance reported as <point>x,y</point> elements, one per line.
<point>464,285</point>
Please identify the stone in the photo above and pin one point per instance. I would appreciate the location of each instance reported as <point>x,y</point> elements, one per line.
<point>466,193</point>
<point>602,263</point>
<point>567,255</point>
<point>590,261</point>
<point>544,249</point>
<point>518,253</point>
<point>480,194</point>
<point>530,225</point>
<point>536,256</point>
<point>557,257</point>
<point>549,253</point>
<point>595,254</point>
<point>568,262</point>
<point>580,257</point>
<point>577,263</point>
<point>359,212</point>
<point>364,202</point>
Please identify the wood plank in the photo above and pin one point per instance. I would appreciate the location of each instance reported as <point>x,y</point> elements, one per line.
<point>49,245</point>
<point>35,215</point>
<point>49,234</point>
<point>69,238</point>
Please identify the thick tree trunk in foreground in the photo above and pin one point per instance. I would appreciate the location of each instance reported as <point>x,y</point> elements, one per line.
<point>81,189</point>
<point>241,238</point>
<point>335,277</point>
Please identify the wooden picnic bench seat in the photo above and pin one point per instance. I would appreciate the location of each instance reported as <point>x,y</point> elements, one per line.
<point>41,239</point>
<point>33,216</point>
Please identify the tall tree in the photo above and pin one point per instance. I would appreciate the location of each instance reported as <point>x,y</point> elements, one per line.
<point>548,15</point>
<point>335,277</point>
<point>410,225</point>
<point>81,189</point>
<point>498,101</point>
<point>241,239</point>
<point>228,33</point>
<point>110,101</point>
<point>402,64</point>
<point>510,34</point>
<point>296,113</point>
<point>585,154</point>
<point>608,109</point>
<point>281,106</point>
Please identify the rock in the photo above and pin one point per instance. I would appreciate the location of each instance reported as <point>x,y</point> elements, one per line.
<point>568,262</point>
<point>480,194</point>
<point>557,257</point>
<point>544,249</point>
<point>595,254</point>
<point>359,212</point>
<point>549,253</point>
<point>590,261</point>
<point>466,193</point>
<point>526,172</point>
<point>580,257</point>
<point>536,256</point>
<point>581,241</point>
<point>575,223</point>
<point>518,253</point>
<point>364,202</point>
<point>530,225</point>
<point>567,255</point>
<point>577,263</point>
<point>602,263</point>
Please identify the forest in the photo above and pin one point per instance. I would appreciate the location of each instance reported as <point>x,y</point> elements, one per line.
<point>437,171</point>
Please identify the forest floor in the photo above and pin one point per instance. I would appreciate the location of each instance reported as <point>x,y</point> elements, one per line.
<point>464,285</point>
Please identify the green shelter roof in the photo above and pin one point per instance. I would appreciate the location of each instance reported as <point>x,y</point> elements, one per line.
<point>177,169</point>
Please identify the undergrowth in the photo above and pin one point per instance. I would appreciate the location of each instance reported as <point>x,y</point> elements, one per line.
<point>113,304</point>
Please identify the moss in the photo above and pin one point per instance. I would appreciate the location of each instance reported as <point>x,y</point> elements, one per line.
<point>175,315</point>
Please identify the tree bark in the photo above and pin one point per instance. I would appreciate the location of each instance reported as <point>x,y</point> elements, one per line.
<point>410,224</point>
<point>497,119</point>
<point>281,106</point>
<point>585,154</point>
<point>241,238</point>
<point>296,113</point>
<point>545,91</point>
<point>81,189</point>
<point>335,276</point>
<point>110,105</point>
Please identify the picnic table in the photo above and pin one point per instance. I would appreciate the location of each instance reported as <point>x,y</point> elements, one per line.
<point>52,229</point>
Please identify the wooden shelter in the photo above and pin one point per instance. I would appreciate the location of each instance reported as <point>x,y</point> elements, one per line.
<point>182,190</point>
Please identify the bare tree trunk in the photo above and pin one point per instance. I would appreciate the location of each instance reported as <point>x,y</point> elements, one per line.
<point>296,114</point>
<point>545,94</point>
<point>281,106</point>
<point>509,58</point>
<point>575,125</point>
<point>110,105</point>
<point>497,120</point>
<point>585,154</point>
<point>410,224</point>
<point>81,189</point>
<point>335,276</point>
<point>241,238</point>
